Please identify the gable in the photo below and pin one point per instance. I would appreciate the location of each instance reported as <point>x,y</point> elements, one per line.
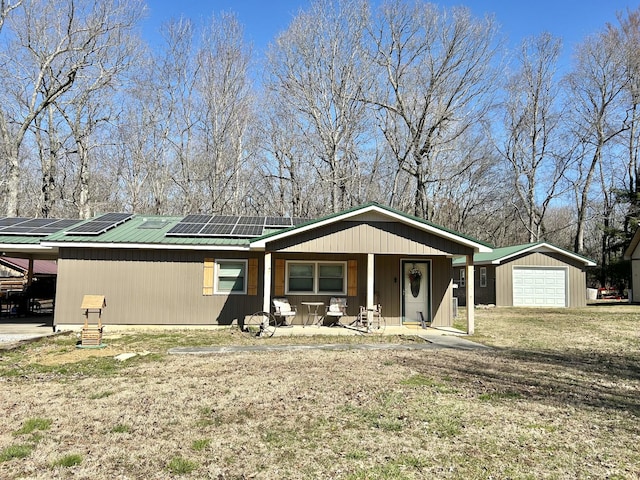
<point>367,236</point>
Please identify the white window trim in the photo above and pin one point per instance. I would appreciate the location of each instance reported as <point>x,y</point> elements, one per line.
<point>316,279</point>
<point>483,277</point>
<point>216,277</point>
<point>462,278</point>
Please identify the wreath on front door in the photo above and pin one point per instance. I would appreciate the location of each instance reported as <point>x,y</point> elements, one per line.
<point>415,275</point>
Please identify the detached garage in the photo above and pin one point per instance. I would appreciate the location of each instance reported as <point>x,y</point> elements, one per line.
<point>529,275</point>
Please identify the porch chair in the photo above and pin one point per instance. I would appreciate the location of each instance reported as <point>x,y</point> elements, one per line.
<point>283,309</point>
<point>336,309</point>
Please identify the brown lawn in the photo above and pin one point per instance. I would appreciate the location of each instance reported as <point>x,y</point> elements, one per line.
<point>558,397</point>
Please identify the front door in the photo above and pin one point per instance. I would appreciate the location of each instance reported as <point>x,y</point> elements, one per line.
<point>416,291</point>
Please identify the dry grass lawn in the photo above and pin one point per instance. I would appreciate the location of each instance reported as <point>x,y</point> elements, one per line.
<point>557,398</point>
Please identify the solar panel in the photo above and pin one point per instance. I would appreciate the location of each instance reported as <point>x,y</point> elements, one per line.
<point>219,229</point>
<point>197,225</point>
<point>33,226</point>
<point>299,221</point>
<point>113,217</point>
<point>248,230</point>
<point>38,222</point>
<point>185,228</point>
<point>278,222</point>
<point>64,223</point>
<point>251,221</point>
<point>11,220</point>
<point>15,230</point>
<point>100,224</point>
<point>91,228</point>
<point>224,219</point>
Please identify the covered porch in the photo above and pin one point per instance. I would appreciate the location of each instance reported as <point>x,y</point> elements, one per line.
<point>369,256</point>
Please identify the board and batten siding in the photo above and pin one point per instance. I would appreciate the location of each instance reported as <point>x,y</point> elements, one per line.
<point>576,277</point>
<point>375,237</point>
<point>147,287</point>
<point>387,286</point>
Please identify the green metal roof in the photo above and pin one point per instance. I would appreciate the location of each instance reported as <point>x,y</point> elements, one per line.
<point>501,253</point>
<point>133,232</point>
<point>20,239</point>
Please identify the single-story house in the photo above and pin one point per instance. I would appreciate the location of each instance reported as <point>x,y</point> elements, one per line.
<point>632,253</point>
<point>214,269</point>
<point>530,275</point>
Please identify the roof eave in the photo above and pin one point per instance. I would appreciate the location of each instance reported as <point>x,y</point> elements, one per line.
<point>537,246</point>
<point>147,246</point>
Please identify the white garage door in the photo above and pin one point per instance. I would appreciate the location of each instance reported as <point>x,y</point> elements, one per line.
<point>539,287</point>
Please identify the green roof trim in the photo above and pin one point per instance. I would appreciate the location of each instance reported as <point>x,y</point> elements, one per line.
<point>501,253</point>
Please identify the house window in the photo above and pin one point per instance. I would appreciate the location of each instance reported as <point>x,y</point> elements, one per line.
<point>316,277</point>
<point>231,276</point>
<point>462,277</point>
<point>301,277</point>
<point>483,276</point>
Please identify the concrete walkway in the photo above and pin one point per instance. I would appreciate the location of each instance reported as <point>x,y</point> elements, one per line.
<point>434,338</point>
<point>13,331</point>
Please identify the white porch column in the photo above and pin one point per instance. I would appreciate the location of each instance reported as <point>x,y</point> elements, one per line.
<point>470,295</point>
<point>266,298</point>
<point>370,277</point>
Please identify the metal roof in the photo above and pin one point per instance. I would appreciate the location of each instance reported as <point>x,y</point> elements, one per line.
<point>149,231</point>
<point>40,267</point>
<point>502,254</point>
<point>136,232</point>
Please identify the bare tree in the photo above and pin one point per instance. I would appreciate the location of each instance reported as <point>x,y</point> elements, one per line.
<point>227,101</point>
<point>316,67</point>
<point>5,9</point>
<point>532,131</point>
<point>53,44</point>
<point>436,76</point>
<point>596,85</point>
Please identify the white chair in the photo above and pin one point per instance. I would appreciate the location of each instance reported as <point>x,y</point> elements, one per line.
<point>283,310</point>
<point>336,309</point>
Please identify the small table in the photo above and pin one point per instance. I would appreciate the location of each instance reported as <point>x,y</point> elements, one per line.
<point>312,311</point>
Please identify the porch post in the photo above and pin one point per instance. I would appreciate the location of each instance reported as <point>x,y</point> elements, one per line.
<point>470,295</point>
<point>370,277</point>
<point>30,271</point>
<point>266,294</point>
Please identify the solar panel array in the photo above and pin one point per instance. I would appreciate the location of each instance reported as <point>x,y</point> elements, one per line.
<point>229,225</point>
<point>33,226</point>
<point>100,224</point>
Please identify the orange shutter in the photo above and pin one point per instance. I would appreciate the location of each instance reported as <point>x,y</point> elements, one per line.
<point>207,282</point>
<point>279,278</point>
<point>352,278</point>
<point>252,287</point>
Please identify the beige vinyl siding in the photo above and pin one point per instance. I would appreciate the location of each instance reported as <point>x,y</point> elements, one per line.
<point>153,287</point>
<point>377,238</point>
<point>576,293</point>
